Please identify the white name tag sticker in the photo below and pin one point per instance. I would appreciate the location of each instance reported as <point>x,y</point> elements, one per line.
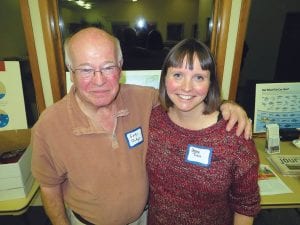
<point>134,137</point>
<point>198,155</point>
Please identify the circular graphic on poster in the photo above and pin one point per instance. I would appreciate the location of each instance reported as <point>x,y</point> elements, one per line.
<point>2,90</point>
<point>3,118</point>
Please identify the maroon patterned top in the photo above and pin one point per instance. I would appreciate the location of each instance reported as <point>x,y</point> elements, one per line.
<point>185,193</point>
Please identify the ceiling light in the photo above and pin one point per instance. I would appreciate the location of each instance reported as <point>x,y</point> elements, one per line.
<point>80,3</point>
<point>141,23</point>
<point>87,6</point>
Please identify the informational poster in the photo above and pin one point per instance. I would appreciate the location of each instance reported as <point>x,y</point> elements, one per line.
<point>277,103</point>
<point>148,78</point>
<point>12,107</point>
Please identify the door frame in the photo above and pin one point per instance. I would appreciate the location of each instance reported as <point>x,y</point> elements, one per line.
<point>32,54</point>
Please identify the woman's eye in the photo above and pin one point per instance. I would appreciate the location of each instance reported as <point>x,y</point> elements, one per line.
<point>177,75</point>
<point>199,78</point>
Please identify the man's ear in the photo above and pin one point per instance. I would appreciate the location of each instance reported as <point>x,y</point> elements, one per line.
<point>121,63</point>
<point>71,77</point>
<point>71,73</point>
<point>68,67</point>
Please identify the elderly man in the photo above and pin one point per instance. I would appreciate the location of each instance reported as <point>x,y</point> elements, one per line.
<point>89,148</point>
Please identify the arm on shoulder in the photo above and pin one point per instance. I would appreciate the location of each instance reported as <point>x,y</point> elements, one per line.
<point>234,113</point>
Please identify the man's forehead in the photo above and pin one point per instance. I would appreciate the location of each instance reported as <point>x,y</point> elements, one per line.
<point>92,34</point>
<point>91,44</point>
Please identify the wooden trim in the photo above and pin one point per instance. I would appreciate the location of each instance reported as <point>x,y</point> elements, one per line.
<point>222,11</point>
<point>32,53</point>
<point>241,35</point>
<point>53,45</point>
<point>215,25</point>
<point>222,35</point>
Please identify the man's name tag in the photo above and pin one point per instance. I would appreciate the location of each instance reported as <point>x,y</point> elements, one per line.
<point>134,137</point>
<point>198,155</point>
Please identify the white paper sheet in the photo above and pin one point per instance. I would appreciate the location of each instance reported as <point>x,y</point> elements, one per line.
<point>269,183</point>
<point>141,77</point>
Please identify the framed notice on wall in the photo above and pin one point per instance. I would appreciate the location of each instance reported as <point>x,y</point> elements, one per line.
<point>277,103</point>
<point>12,107</point>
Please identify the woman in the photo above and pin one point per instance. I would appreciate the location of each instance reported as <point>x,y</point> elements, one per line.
<point>198,172</point>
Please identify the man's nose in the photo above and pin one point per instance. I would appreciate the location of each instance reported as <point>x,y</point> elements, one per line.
<point>98,78</point>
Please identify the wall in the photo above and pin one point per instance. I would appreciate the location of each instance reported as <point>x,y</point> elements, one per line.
<point>205,11</point>
<point>230,49</point>
<point>176,11</point>
<point>263,38</point>
<point>41,50</point>
<point>12,38</point>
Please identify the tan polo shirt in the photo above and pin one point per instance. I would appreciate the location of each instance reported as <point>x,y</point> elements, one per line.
<point>103,175</point>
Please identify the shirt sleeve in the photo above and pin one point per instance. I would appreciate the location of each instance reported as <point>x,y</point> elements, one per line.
<point>43,165</point>
<point>244,196</point>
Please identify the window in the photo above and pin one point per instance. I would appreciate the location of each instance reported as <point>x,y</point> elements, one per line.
<point>174,31</point>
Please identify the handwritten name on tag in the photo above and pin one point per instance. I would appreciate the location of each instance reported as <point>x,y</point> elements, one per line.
<point>198,155</point>
<point>134,137</point>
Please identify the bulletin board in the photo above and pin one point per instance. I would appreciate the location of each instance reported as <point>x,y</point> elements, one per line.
<point>12,106</point>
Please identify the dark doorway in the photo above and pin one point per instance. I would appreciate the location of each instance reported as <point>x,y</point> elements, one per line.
<point>289,57</point>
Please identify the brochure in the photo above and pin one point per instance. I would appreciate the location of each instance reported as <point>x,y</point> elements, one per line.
<point>286,164</point>
<point>269,183</point>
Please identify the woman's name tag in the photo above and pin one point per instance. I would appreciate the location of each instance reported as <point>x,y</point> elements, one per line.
<point>198,155</point>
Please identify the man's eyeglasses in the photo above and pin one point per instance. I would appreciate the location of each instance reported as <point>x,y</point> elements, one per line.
<point>88,73</point>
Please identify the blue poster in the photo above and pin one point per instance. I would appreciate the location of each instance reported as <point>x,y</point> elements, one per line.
<point>277,103</point>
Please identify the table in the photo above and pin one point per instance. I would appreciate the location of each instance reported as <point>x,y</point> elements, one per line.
<point>290,200</point>
<point>16,139</point>
<point>20,205</point>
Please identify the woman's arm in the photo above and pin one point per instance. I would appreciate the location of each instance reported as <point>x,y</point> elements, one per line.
<point>240,219</point>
